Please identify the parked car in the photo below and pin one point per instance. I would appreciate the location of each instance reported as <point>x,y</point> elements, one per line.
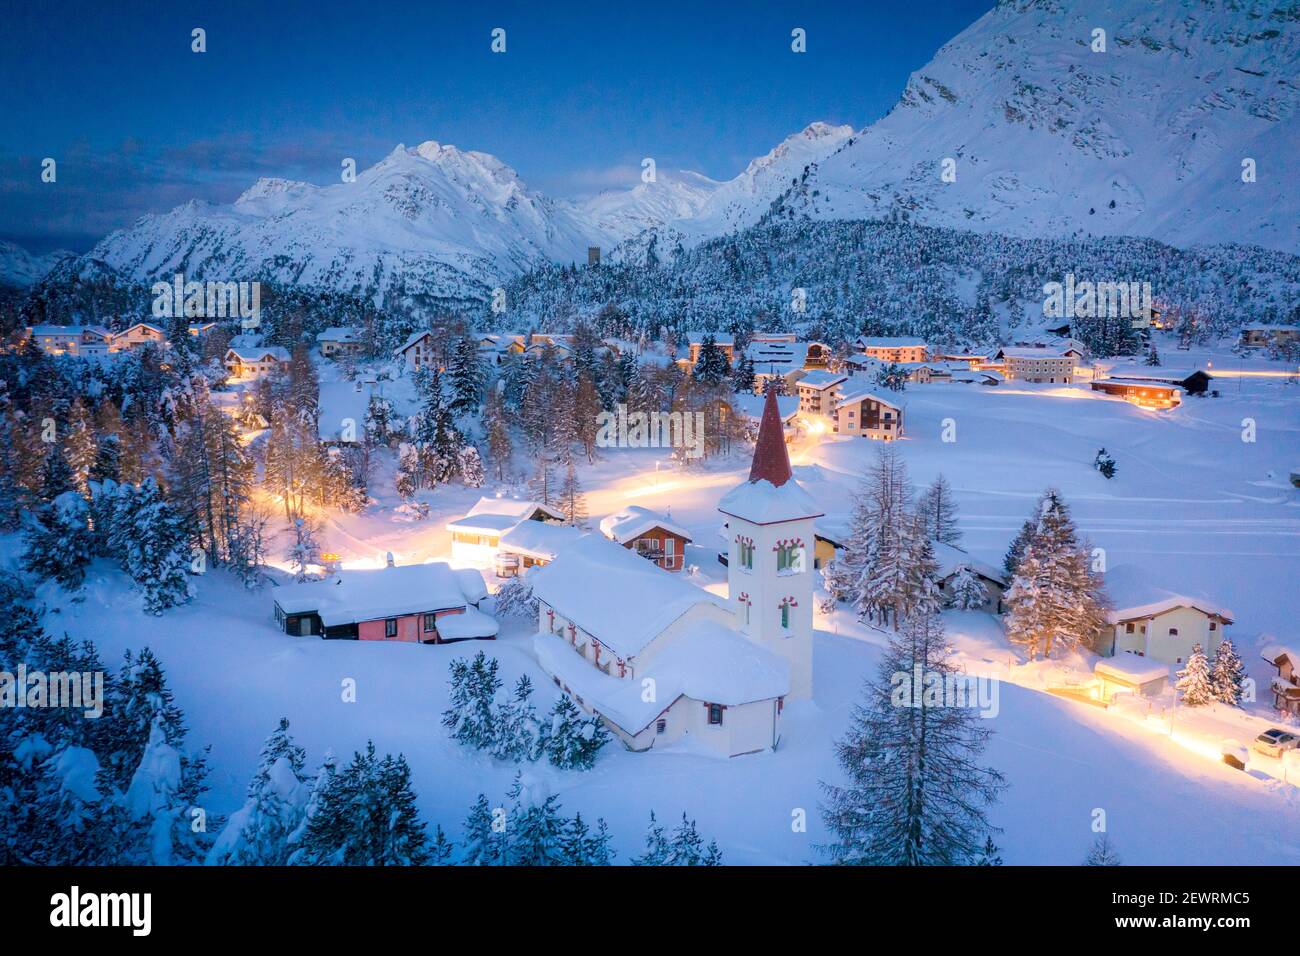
<point>1273,742</point>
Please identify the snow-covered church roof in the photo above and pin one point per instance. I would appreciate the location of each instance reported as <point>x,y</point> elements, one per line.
<point>613,594</point>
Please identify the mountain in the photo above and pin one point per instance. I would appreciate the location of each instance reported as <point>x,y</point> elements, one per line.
<point>433,221</point>
<point>1050,137</point>
<point>672,195</point>
<point>21,269</point>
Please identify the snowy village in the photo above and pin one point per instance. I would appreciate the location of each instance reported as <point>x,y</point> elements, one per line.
<point>375,522</point>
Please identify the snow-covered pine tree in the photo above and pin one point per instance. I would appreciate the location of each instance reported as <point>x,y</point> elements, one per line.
<point>258,833</point>
<point>537,831</point>
<point>580,846</point>
<point>408,471</point>
<point>518,734</point>
<point>572,501</point>
<point>515,598</point>
<point>313,807</point>
<point>467,375</point>
<point>304,550</point>
<point>498,433</point>
<point>60,544</point>
<point>80,445</point>
<point>915,793</point>
<point>687,848</point>
<point>1194,681</point>
<point>156,551</point>
<point>742,376</point>
<point>1228,674</point>
<point>1016,551</point>
<point>991,855</point>
<point>469,466</point>
<point>1055,599</point>
<point>968,591</point>
<point>472,717</point>
<point>1153,357</point>
<point>573,741</point>
<point>938,508</point>
<point>656,845</point>
<point>1101,853</point>
<point>484,843</point>
<point>164,792</point>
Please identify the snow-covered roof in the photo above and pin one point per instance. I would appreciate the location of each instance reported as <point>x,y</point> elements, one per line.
<point>1148,373</point>
<point>539,540</point>
<point>779,356</point>
<point>340,334</point>
<point>951,560</point>
<point>856,393</point>
<point>256,354</point>
<point>471,584</point>
<point>348,597</point>
<point>521,508</point>
<point>1273,652</point>
<point>634,521</point>
<point>411,340</point>
<point>1131,668</point>
<point>889,342</point>
<point>706,662</point>
<point>621,599</point>
<point>1135,382</point>
<point>1029,352</point>
<point>470,623</point>
<point>764,503</point>
<point>485,523</point>
<point>820,379</point>
<point>1135,595</point>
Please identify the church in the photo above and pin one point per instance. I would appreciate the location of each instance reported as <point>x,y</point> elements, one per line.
<point>662,660</point>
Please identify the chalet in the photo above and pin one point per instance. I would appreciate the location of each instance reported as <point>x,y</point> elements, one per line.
<point>818,393</point>
<point>1166,627</point>
<point>1043,365</point>
<point>1129,674</point>
<point>1192,381</point>
<point>559,349</point>
<point>141,333</point>
<point>723,341</point>
<point>532,544</point>
<point>653,536</point>
<point>424,603</point>
<point>784,359</point>
<point>418,351</point>
<point>819,355</point>
<point>892,348</point>
<point>1145,394</point>
<point>1286,685</point>
<point>863,412</point>
<point>477,536</point>
<point>341,340</point>
<point>250,364</point>
<point>952,561</point>
<point>921,373</point>
<point>494,347</point>
<point>720,669</point>
<point>200,330</point>
<point>1261,336</point>
<point>80,340</point>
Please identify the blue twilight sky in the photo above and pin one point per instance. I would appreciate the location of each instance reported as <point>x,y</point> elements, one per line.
<point>138,123</point>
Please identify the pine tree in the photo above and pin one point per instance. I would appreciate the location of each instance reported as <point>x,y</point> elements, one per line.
<point>1228,675</point>
<point>915,793</point>
<point>472,716</point>
<point>518,735</point>
<point>656,846</point>
<point>1101,853</point>
<point>467,375</point>
<point>939,511</point>
<point>579,846</point>
<point>408,471</point>
<point>470,466</point>
<point>515,598</point>
<point>991,855</point>
<point>80,446</point>
<point>1018,544</point>
<point>156,551</point>
<point>968,592</point>
<point>1194,680</point>
<point>60,544</point>
<point>572,741</point>
<point>1055,599</point>
<point>304,551</point>
<point>537,832</point>
<point>571,500</point>
<point>484,844</point>
<point>742,376</point>
<point>441,849</point>
<point>498,434</point>
<point>258,833</point>
<point>1153,357</point>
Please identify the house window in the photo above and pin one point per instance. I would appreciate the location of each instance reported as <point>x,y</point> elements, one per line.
<point>1214,626</point>
<point>1173,632</point>
<point>429,621</point>
<point>661,726</point>
<point>390,627</point>
<point>789,558</point>
<point>1128,628</point>
<point>746,549</point>
<point>785,614</point>
<point>715,714</point>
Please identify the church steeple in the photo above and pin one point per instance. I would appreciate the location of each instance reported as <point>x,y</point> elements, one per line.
<point>771,460</point>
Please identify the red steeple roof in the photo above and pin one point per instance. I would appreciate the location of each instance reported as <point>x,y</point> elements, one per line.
<point>771,460</point>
